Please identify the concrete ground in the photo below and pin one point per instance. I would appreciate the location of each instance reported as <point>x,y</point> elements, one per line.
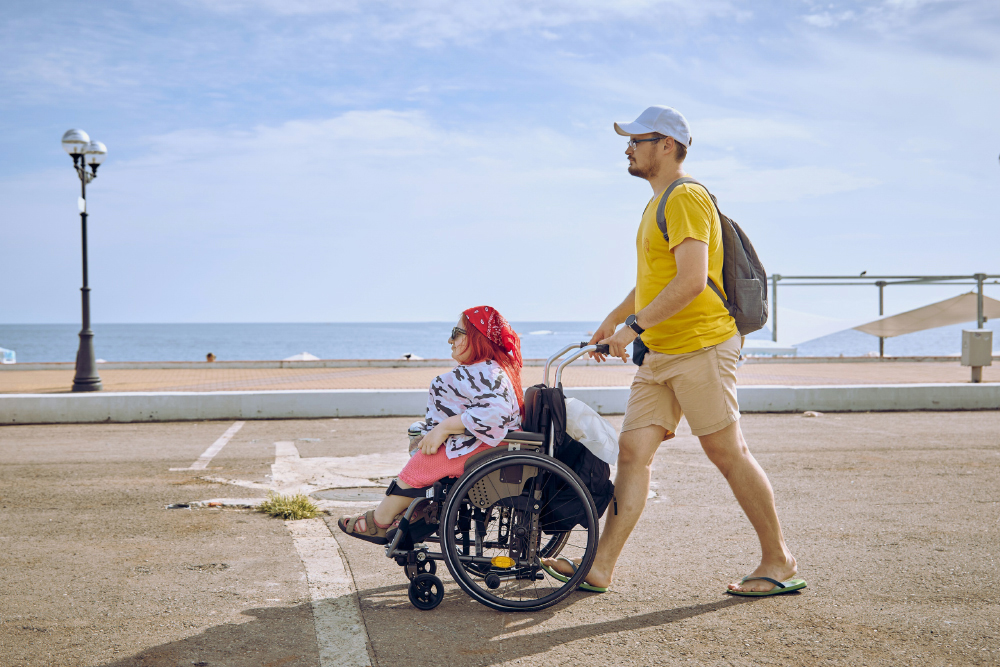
<point>894,518</point>
<point>611,374</point>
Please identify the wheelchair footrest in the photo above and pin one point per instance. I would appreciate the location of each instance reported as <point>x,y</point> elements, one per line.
<point>396,490</point>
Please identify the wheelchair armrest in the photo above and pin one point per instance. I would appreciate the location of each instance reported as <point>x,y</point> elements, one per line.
<point>525,441</point>
<point>525,437</point>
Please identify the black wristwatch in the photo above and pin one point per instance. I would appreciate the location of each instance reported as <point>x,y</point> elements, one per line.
<point>633,325</point>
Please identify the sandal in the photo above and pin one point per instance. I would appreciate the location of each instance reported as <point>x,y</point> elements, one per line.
<point>369,530</point>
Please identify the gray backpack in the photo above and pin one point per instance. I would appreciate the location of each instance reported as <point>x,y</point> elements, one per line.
<point>743,276</point>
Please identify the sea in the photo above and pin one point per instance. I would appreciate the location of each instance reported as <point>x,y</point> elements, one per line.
<point>367,340</point>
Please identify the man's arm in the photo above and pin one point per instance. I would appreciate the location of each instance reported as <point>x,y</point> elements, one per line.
<point>690,281</point>
<point>611,322</point>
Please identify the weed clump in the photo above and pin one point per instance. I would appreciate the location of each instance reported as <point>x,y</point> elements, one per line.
<point>288,507</point>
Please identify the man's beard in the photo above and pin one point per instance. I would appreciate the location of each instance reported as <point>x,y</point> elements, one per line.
<point>647,173</point>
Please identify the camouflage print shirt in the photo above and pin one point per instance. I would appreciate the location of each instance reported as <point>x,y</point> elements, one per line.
<point>484,396</point>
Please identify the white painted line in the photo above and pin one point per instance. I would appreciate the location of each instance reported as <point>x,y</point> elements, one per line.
<point>242,503</point>
<point>285,451</point>
<point>340,631</point>
<point>216,447</point>
<point>234,482</point>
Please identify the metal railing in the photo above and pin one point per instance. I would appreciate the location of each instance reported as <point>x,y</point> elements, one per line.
<point>977,279</point>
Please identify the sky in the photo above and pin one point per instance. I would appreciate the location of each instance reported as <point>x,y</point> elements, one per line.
<point>401,160</point>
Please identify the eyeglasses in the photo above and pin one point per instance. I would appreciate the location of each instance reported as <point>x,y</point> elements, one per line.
<point>456,332</point>
<point>632,143</point>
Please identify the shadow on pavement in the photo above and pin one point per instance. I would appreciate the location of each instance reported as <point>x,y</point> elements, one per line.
<point>555,637</point>
<point>285,635</point>
<point>275,636</point>
<point>462,633</point>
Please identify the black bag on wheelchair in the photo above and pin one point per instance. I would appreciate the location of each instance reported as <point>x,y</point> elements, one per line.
<point>562,510</point>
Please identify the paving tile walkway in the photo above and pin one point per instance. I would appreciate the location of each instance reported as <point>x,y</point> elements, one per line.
<point>612,375</point>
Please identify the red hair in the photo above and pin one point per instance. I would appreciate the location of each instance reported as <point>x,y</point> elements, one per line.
<point>480,348</point>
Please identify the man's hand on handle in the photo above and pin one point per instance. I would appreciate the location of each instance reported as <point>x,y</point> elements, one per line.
<point>603,332</point>
<point>607,329</point>
<point>619,342</point>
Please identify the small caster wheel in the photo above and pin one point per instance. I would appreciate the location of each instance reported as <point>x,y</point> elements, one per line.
<point>428,566</point>
<point>426,591</point>
<point>492,581</point>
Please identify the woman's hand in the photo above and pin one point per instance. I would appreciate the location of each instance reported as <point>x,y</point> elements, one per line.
<point>433,440</point>
<point>437,435</point>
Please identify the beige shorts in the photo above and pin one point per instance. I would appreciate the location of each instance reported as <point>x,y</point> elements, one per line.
<point>700,385</point>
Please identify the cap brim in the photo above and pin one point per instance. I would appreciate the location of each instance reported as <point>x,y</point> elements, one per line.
<point>629,129</point>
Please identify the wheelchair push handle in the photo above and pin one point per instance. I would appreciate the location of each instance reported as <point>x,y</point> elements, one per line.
<point>581,349</point>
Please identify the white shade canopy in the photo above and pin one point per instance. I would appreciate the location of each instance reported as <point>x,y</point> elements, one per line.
<point>956,310</point>
<point>75,142</point>
<point>796,327</point>
<point>305,356</point>
<point>96,152</point>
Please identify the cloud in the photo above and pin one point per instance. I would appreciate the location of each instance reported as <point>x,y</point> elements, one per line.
<point>336,160</point>
<point>433,23</point>
<point>515,13</point>
<point>364,216</point>
<point>938,25</point>
<point>828,19</point>
<point>738,182</point>
<point>726,131</point>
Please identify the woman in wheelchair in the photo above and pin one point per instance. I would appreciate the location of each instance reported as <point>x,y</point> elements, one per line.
<point>495,500</point>
<point>470,409</point>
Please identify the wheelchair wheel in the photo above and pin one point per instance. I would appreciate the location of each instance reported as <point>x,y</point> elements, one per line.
<point>552,545</point>
<point>493,534</point>
<point>426,591</point>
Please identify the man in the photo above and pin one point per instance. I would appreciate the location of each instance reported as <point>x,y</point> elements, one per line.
<point>690,368</point>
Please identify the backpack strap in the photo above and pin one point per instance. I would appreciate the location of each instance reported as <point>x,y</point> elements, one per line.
<point>661,218</point>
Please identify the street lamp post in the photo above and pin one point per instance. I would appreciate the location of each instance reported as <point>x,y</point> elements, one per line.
<point>85,152</point>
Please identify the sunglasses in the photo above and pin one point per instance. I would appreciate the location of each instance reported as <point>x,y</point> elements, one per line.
<point>456,332</point>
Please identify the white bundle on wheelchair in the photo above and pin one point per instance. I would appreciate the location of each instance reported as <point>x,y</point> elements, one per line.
<point>591,430</point>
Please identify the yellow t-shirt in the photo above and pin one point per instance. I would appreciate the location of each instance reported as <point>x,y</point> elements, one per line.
<point>705,321</point>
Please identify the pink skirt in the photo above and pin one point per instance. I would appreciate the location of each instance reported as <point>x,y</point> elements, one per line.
<point>422,471</point>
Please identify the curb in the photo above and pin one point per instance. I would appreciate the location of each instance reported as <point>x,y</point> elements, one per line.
<point>325,403</point>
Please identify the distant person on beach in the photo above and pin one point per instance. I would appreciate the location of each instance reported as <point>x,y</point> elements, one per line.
<point>469,410</point>
<point>690,367</point>
<point>210,357</point>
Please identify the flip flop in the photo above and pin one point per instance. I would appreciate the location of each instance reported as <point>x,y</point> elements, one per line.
<point>780,587</point>
<point>559,576</point>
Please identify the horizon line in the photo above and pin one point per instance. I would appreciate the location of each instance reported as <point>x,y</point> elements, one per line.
<point>317,322</point>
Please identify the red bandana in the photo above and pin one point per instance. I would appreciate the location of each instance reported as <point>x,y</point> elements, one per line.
<point>492,325</point>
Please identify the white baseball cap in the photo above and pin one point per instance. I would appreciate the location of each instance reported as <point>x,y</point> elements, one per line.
<point>664,120</point>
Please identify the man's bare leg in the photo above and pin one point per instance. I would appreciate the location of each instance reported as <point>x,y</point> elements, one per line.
<point>728,451</point>
<point>635,456</point>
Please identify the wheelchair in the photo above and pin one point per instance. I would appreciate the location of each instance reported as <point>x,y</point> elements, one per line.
<point>494,524</point>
